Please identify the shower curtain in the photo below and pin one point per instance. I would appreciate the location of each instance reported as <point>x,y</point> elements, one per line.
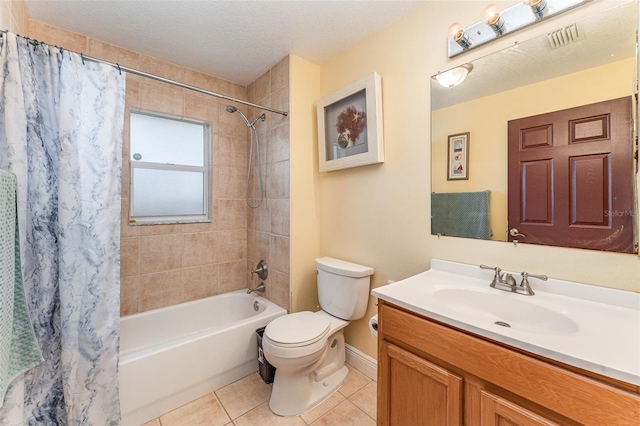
<point>61,133</point>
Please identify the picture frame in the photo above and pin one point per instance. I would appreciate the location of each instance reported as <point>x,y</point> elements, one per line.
<point>350,125</point>
<point>458,157</point>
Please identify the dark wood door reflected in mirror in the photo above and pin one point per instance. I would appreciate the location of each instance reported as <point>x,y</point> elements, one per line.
<point>589,193</point>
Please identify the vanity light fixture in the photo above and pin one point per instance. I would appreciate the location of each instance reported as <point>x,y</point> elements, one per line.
<point>454,76</point>
<point>492,18</point>
<point>496,23</point>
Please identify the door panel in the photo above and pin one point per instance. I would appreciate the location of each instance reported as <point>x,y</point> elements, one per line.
<point>417,392</point>
<point>497,411</point>
<point>570,177</point>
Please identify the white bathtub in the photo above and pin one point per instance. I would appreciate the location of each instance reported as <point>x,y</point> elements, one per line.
<point>173,355</point>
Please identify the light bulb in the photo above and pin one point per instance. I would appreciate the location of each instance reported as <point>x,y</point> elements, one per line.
<point>538,7</point>
<point>456,31</point>
<point>491,17</point>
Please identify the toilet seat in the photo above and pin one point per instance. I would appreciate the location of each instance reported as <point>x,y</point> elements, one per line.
<point>296,330</point>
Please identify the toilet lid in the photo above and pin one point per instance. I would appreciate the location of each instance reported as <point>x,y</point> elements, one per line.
<point>299,329</point>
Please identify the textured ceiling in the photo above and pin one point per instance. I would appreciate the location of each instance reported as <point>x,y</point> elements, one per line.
<point>237,40</point>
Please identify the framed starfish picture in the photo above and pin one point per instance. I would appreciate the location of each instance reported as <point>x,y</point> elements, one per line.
<point>458,158</point>
<point>350,126</point>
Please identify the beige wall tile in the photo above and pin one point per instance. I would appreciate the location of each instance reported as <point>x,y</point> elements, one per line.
<point>129,257</point>
<point>160,229</point>
<point>233,215</point>
<point>203,108</point>
<point>127,230</point>
<point>19,14</point>
<point>278,182</point>
<point>278,290</point>
<point>132,97</point>
<point>232,245</point>
<point>262,217</point>
<point>200,282</point>
<point>129,295</point>
<point>233,151</point>
<point>160,290</point>
<point>279,144</point>
<point>279,216</point>
<point>198,249</point>
<point>56,36</point>
<point>5,15</point>
<point>233,90</point>
<point>201,80</point>
<point>251,92</point>
<point>231,182</point>
<point>112,53</point>
<point>263,86</point>
<point>161,68</point>
<point>280,101</point>
<point>280,74</point>
<point>251,244</point>
<point>160,252</point>
<point>165,99</point>
<point>232,276</point>
<point>279,254</point>
<point>261,250</point>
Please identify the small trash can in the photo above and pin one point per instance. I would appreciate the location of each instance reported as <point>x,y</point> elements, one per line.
<point>267,371</point>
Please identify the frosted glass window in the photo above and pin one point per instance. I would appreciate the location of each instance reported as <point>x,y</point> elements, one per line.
<point>168,193</point>
<point>165,140</point>
<point>170,169</point>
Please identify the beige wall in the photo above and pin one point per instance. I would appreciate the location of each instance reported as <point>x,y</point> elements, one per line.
<point>268,225</point>
<point>485,118</point>
<point>13,16</point>
<point>379,215</point>
<point>305,206</point>
<point>162,265</point>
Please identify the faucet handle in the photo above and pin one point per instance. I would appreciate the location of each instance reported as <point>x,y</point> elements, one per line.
<point>496,277</point>
<point>495,268</point>
<point>525,282</point>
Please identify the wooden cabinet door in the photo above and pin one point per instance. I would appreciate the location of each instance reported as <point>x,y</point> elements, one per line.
<point>497,411</point>
<point>415,392</point>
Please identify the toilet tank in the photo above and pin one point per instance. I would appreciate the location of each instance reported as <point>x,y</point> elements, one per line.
<point>343,287</point>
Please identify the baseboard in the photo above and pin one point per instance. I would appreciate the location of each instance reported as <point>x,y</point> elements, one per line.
<point>362,362</point>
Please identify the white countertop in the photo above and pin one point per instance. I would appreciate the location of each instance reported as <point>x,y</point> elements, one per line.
<point>606,340</point>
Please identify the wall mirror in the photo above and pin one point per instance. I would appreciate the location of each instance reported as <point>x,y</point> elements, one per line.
<point>546,158</point>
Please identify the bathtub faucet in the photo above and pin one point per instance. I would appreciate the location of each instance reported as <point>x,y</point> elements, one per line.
<point>260,288</point>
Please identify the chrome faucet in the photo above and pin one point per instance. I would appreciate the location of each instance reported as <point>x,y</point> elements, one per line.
<point>261,288</point>
<point>506,282</point>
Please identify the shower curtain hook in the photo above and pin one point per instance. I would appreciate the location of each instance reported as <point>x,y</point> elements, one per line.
<point>82,57</point>
<point>119,70</point>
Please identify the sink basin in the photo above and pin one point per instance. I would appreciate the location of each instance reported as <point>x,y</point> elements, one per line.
<point>506,310</point>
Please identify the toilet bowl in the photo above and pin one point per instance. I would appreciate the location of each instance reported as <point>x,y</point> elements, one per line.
<point>308,348</point>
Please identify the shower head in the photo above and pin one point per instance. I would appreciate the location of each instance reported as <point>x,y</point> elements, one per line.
<point>231,109</point>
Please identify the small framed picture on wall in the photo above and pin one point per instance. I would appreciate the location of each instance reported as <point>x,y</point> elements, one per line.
<point>458,157</point>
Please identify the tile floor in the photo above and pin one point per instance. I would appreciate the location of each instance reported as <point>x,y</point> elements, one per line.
<point>246,403</point>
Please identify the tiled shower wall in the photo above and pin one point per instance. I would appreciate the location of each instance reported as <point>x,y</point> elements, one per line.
<point>268,225</point>
<point>162,265</point>
<point>13,16</point>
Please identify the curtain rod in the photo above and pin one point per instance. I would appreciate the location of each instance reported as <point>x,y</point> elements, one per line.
<point>162,79</point>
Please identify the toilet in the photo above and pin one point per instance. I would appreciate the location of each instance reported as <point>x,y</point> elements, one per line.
<point>307,348</point>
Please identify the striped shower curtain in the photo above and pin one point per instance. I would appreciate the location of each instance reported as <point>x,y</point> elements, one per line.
<point>61,134</point>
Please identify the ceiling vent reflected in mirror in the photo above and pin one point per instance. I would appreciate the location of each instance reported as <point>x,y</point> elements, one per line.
<point>565,36</point>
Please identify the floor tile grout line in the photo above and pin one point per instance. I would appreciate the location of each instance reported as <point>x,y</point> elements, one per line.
<point>215,395</point>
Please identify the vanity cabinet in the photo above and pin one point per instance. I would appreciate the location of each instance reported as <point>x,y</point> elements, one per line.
<point>430,373</point>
